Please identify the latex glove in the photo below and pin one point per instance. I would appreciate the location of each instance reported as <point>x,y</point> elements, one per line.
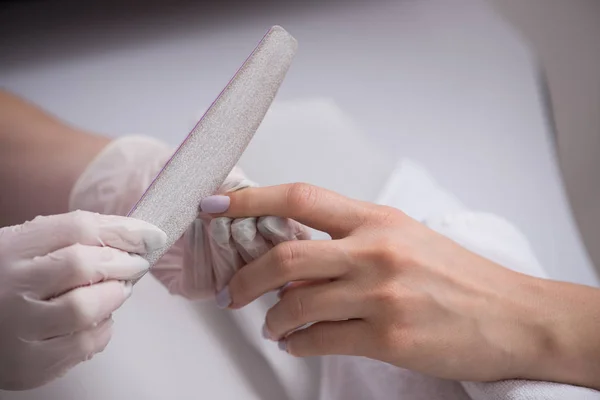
<point>61,278</point>
<point>212,249</point>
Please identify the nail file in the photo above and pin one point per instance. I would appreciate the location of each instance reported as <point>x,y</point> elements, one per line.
<point>202,162</point>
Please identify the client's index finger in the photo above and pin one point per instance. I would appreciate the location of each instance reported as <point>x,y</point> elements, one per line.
<point>310,205</point>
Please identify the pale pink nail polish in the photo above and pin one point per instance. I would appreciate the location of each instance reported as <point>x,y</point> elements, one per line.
<point>282,344</point>
<point>223,298</point>
<point>215,204</point>
<point>265,332</point>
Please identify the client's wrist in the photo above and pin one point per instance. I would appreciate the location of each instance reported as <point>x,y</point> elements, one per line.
<point>566,326</point>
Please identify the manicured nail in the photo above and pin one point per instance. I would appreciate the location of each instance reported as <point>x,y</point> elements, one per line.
<point>223,298</point>
<point>214,204</point>
<point>127,289</point>
<point>282,345</point>
<point>265,332</point>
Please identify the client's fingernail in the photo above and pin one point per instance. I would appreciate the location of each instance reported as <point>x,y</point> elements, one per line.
<point>265,332</point>
<point>127,289</point>
<point>223,298</point>
<point>282,344</point>
<point>215,204</point>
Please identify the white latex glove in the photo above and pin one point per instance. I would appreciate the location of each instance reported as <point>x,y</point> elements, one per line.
<point>212,250</point>
<point>61,277</point>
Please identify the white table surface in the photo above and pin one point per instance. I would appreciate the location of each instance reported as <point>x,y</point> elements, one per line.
<point>448,85</point>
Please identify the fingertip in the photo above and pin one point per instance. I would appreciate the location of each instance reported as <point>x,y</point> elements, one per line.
<point>223,298</point>
<point>130,234</point>
<point>104,331</point>
<point>283,346</point>
<point>107,323</point>
<point>155,238</point>
<point>119,265</point>
<point>110,296</point>
<point>292,345</point>
<point>266,333</point>
<point>221,232</point>
<point>127,289</point>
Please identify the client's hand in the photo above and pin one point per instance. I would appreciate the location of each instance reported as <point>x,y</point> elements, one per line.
<point>212,250</point>
<point>388,288</point>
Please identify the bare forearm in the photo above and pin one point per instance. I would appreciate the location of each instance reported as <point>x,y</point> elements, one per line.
<point>40,160</point>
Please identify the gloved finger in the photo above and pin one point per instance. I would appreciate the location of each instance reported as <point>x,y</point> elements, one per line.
<point>62,353</point>
<point>187,268</point>
<point>226,259</point>
<point>77,310</point>
<point>351,337</point>
<point>249,242</point>
<point>77,265</point>
<point>278,230</point>
<point>336,301</point>
<point>44,235</point>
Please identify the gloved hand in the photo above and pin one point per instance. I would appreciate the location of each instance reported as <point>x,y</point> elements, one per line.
<point>203,261</point>
<point>61,277</point>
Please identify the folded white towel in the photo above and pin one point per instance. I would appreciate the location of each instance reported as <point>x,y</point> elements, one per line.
<point>528,390</point>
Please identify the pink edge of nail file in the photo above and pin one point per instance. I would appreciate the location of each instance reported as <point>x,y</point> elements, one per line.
<point>202,162</point>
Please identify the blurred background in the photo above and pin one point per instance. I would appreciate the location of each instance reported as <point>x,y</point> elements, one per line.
<point>498,99</point>
<point>565,35</point>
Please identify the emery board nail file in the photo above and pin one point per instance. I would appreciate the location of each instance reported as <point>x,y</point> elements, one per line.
<point>202,162</point>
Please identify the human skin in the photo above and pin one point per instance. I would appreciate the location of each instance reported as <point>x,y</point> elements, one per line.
<point>41,157</point>
<point>388,288</point>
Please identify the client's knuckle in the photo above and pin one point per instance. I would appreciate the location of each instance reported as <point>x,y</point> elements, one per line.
<point>385,296</point>
<point>302,196</point>
<point>296,307</point>
<point>392,254</point>
<point>381,253</point>
<point>285,257</point>
<point>322,341</point>
<point>390,215</point>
